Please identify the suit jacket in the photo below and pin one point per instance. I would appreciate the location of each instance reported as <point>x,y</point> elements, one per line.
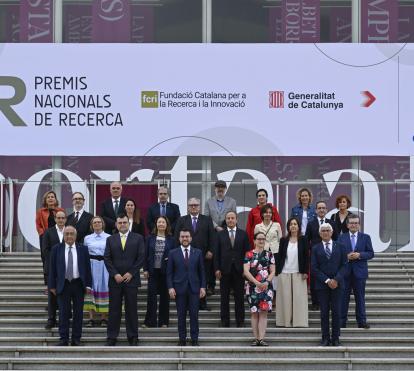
<point>312,231</point>
<point>150,253</point>
<point>83,226</point>
<point>226,256</point>
<point>50,239</point>
<point>182,278</point>
<point>204,237</point>
<point>358,268</point>
<point>229,204</point>
<point>172,212</point>
<point>118,261</point>
<point>42,216</point>
<point>303,255</point>
<point>323,268</point>
<point>108,213</point>
<point>57,269</point>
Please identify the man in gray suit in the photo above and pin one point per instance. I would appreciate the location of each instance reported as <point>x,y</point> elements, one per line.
<point>217,207</point>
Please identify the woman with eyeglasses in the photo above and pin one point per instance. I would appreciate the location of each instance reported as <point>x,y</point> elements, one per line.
<point>259,270</point>
<point>292,272</point>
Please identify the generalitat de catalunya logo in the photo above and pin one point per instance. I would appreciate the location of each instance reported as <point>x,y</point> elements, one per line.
<point>149,99</point>
<point>6,104</point>
<point>276,99</point>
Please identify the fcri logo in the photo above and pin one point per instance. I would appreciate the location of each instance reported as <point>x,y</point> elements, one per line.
<point>6,103</point>
<point>149,99</point>
<point>276,99</point>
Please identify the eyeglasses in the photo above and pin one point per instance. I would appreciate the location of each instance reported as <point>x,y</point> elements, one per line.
<point>77,199</point>
<point>353,223</point>
<point>260,239</point>
<point>194,205</point>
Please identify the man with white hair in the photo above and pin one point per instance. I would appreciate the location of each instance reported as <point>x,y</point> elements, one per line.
<point>329,266</point>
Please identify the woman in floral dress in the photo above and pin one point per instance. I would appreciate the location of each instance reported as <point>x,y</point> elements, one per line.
<point>259,269</point>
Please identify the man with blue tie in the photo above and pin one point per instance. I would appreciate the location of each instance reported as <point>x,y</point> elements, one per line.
<point>163,208</point>
<point>186,284</point>
<point>359,249</point>
<point>329,267</point>
<point>69,278</point>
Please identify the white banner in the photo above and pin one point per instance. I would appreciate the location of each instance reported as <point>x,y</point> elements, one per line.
<point>216,99</point>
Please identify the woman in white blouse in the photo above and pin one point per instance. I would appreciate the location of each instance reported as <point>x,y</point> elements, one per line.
<point>292,270</point>
<point>272,231</point>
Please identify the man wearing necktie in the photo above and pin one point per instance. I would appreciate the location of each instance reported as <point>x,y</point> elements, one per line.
<point>80,218</point>
<point>124,257</point>
<point>163,208</point>
<point>313,237</point>
<point>329,267</point>
<point>202,234</point>
<point>232,245</point>
<point>359,249</point>
<point>112,207</point>
<point>186,284</point>
<point>69,278</point>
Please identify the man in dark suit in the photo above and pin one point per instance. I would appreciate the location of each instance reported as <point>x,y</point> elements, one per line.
<point>313,237</point>
<point>232,245</point>
<point>52,236</point>
<point>359,249</point>
<point>80,219</point>
<point>202,234</point>
<point>164,208</point>
<point>124,257</point>
<point>329,267</point>
<point>186,284</point>
<point>112,207</point>
<point>69,278</point>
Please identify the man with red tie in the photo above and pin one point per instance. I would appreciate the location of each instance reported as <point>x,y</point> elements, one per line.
<point>186,284</point>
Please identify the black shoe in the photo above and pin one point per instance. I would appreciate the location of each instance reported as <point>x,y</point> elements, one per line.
<point>75,343</point>
<point>336,343</point>
<point>50,324</point>
<point>133,341</point>
<point>324,342</point>
<point>110,342</point>
<point>205,307</point>
<point>225,324</point>
<point>182,343</point>
<point>262,343</point>
<point>240,324</point>
<point>365,326</point>
<point>90,323</point>
<point>194,343</point>
<point>210,291</point>
<point>62,343</point>
<point>315,307</point>
<point>343,325</point>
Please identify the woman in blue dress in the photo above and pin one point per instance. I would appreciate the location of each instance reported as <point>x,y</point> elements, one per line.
<point>97,301</point>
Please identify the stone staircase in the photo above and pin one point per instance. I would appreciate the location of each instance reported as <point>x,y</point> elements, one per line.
<point>388,345</point>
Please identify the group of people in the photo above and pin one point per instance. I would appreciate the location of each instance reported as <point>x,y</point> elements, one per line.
<point>93,263</point>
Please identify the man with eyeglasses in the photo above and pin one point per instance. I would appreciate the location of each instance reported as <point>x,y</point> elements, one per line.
<point>232,245</point>
<point>112,207</point>
<point>359,249</point>
<point>80,218</point>
<point>313,237</point>
<point>202,234</point>
<point>329,266</point>
<point>163,208</point>
<point>186,284</point>
<point>52,237</point>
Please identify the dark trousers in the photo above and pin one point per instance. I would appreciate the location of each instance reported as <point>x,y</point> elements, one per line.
<point>116,294</point>
<point>71,301</point>
<point>233,280</point>
<point>210,274</point>
<point>358,288</point>
<point>330,301</point>
<point>157,284</point>
<point>312,280</point>
<point>51,306</point>
<point>187,302</point>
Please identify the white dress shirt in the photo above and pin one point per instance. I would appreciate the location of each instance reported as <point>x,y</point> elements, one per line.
<point>183,251</point>
<point>75,260</point>
<point>60,233</point>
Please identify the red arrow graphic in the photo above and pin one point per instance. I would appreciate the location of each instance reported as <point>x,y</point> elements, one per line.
<point>370,98</point>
